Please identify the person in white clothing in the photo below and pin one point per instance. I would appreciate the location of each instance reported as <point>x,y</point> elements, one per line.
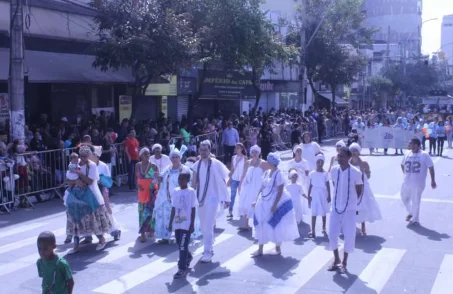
<point>302,168</point>
<point>310,149</point>
<point>209,181</point>
<point>415,166</point>
<point>237,174</point>
<point>347,187</point>
<point>296,191</point>
<point>274,220</point>
<point>319,195</point>
<point>160,160</point>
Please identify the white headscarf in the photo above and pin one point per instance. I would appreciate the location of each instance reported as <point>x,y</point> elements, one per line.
<point>297,147</point>
<point>320,157</point>
<point>356,147</point>
<point>143,150</point>
<point>340,143</point>
<point>156,146</point>
<point>175,152</point>
<point>292,173</point>
<point>255,148</point>
<point>98,151</point>
<point>273,158</point>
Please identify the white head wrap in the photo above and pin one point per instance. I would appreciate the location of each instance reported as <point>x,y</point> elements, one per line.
<point>340,143</point>
<point>297,147</point>
<point>356,147</point>
<point>156,146</point>
<point>98,151</point>
<point>85,150</point>
<point>143,150</point>
<point>255,148</point>
<point>292,173</point>
<point>175,152</point>
<point>320,157</point>
<point>273,158</point>
<point>206,143</point>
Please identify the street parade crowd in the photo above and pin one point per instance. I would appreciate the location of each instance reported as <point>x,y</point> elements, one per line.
<point>181,196</point>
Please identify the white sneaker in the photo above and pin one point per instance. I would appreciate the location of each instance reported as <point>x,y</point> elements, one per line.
<point>207,257</point>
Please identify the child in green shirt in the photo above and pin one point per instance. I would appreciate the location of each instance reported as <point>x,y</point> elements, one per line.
<point>54,270</point>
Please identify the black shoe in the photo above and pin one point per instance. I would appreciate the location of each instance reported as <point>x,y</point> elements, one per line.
<point>68,240</point>
<point>180,274</point>
<point>189,260</point>
<point>117,236</point>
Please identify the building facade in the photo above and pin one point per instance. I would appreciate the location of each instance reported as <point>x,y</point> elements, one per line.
<point>447,38</point>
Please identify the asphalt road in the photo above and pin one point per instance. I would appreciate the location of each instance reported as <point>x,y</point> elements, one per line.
<point>392,259</point>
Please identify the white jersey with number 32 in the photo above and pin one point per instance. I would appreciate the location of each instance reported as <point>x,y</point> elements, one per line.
<point>416,167</point>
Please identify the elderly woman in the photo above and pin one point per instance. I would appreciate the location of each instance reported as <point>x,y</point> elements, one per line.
<point>160,160</point>
<point>86,211</point>
<point>168,182</point>
<point>147,175</point>
<point>274,219</point>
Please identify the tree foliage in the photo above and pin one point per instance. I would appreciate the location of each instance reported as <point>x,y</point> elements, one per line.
<point>338,30</point>
<point>379,86</point>
<point>151,37</point>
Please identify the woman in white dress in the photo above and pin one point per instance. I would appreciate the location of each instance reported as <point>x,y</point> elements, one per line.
<point>368,209</point>
<point>250,187</point>
<point>274,219</point>
<point>237,174</point>
<point>334,160</point>
<point>310,149</point>
<point>160,160</point>
<point>301,166</point>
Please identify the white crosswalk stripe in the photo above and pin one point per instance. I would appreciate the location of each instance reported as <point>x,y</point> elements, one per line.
<point>374,271</point>
<point>444,279</point>
<point>21,229</point>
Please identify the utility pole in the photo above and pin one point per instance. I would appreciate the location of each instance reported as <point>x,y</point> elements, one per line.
<point>303,48</point>
<point>16,71</point>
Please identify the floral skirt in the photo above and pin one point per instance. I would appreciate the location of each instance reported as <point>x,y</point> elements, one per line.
<point>145,217</point>
<point>96,223</point>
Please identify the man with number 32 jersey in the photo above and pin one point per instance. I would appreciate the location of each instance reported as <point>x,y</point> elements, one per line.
<point>415,166</point>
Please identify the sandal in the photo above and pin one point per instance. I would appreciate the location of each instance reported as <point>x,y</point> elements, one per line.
<point>408,218</point>
<point>311,235</point>
<point>101,246</point>
<point>334,268</point>
<point>257,253</point>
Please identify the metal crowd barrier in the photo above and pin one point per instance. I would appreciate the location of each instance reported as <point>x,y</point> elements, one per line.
<point>7,184</point>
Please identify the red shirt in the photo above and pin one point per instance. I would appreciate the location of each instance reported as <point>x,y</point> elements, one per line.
<point>131,145</point>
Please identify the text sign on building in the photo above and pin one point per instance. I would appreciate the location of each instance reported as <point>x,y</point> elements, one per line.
<point>169,88</point>
<point>223,84</point>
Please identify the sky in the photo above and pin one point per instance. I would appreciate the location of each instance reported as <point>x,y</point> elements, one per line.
<point>431,30</point>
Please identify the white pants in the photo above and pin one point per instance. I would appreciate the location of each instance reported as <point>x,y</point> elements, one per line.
<point>411,196</point>
<point>345,223</point>
<point>207,214</point>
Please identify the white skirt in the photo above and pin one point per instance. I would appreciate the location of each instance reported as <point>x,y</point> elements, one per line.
<point>319,204</point>
<point>277,227</point>
<point>368,208</point>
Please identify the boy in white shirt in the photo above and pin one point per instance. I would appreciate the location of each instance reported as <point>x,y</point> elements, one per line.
<point>182,219</point>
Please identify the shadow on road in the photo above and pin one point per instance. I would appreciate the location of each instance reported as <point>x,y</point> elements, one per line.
<point>430,234</point>
<point>346,280</point>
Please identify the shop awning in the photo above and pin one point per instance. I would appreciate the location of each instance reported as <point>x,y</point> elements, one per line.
<point>51,67</point>
<point>339,101</point>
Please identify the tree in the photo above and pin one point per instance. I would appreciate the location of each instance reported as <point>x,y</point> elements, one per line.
<point>256,45</point>
<point>380,86</point>
<point>151,37</point>
<point>338,32</point>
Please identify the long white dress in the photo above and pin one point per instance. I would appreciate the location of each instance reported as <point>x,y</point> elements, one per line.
<point>301,167</point>
<point>319,204</point>
<point>251,186</point>
<point>296,190</point>
<point>367,206</point>
<point>281,225</point>
<point>309,152</point>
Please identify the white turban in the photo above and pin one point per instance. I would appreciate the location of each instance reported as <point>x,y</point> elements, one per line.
<point>156,146</point>
<point>340,143</point>
<point>206,143</point>
<point>356,147</point>
<point>320,157</point>
<point>273,158</point>
<point>98,151</point>
<point>297,147</point>
<point>143,150</point>
<point>255,148</point>
<point>175,152</point>
<point>292,173</point>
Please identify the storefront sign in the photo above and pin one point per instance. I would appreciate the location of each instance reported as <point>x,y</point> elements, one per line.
<point>169,88</point>
<point>223,84</point>
<point>164,105</point>
<point>187,86</point>
<point>278,86</point>
<point>125,107</point>
<point>4,107</point>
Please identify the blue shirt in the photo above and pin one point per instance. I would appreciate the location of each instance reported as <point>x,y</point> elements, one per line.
<point>441,131</point>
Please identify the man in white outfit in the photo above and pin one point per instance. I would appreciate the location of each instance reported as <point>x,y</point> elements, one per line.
<point>415,166</point>
<point>347,187</point>
<point>209,180</point>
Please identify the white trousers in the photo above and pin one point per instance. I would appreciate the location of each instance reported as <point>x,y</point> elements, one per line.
<point>412,196</point>
<point>207,214</point>
<point>345,223</point>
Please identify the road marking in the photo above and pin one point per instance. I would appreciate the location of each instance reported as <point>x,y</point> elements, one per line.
<point>23,262</point>
<point>430,200</point>
<point>149,271</point>
<point>377,273</point>
<point>307,268</point>
<point>21,229</point>
<point>444,280</point>
<point>233,265</point>
<point>26,242</point>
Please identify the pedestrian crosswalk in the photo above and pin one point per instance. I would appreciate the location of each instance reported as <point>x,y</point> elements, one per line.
<point>300,269</point>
